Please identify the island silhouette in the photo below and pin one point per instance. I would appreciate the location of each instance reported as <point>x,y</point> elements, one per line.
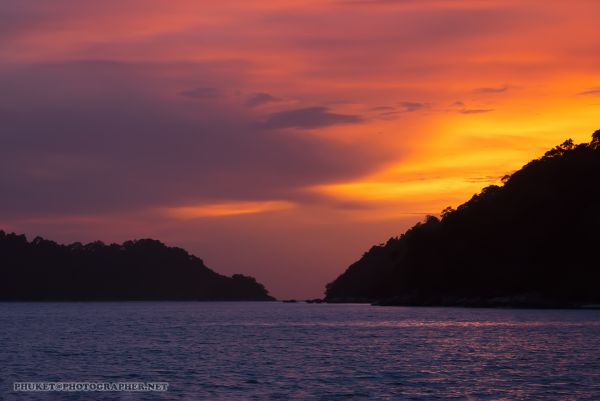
<point>531,242</point>
<point>145,269</point>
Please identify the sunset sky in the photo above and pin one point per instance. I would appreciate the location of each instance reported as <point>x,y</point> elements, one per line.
<point>279,139</point>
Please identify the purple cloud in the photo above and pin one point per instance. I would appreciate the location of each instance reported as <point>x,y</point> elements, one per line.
<point>591,92</point>
<point>475,111</point>
<point>103,140</point>
<point>258,99</point>
<point>413,106</point>
<point>307,118</point>
<point>492,90</point>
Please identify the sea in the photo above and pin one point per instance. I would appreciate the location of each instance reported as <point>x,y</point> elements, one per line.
<point>294,351</point>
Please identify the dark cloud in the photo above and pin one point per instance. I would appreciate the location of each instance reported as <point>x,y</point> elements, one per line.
<point>485,179</point>
<point>474,111</point>
<point>461,107</point>
<point>389,114</point>
<point>201,93</point>
<point>491,90</point>
<point>307,118</point>
<point>413,106</point>
<point>591,92</point>
<point>94,137</point>
<point>393,112</point>
<point>383,108</point>
<point>258,99</point>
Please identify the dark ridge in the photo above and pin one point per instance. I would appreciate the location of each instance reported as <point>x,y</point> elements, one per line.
<point>532,242</point>
<point>146,269</point>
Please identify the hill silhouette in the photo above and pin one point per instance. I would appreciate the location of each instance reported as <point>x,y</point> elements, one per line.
<point>531,242</point>
<point>146,269</point>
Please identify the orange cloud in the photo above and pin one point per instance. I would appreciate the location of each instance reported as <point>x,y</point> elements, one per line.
<point>227,209</point>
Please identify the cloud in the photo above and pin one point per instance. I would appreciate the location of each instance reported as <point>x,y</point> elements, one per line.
<point>488,179</point>
<point>383,108</point>
<point>222,209</point>
<point>413,106</point>
<point>260,98</point>
<point>308,118</point>
<point>475,111</point>
<point>461,107</point>
<point>492,90</point>
<point>153,150</point>
<point>591,92</point>
<point>201,93</point>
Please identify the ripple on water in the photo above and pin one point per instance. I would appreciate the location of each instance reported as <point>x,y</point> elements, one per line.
<point>274,351</point>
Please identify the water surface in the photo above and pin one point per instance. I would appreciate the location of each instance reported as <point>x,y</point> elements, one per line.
<point>275,351</point>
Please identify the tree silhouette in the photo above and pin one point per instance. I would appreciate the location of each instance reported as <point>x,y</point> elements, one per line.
<point>531,242</point>
<point>135,270</point>
<point>595,144</point>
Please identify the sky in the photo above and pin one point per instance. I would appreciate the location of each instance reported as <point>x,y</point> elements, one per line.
<point>279,139</point>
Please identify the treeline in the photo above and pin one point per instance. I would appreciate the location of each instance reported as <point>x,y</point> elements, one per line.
<point>41,270</point>
<point>533,241</point>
